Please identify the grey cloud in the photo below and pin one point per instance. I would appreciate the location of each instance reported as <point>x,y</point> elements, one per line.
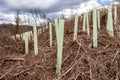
<point>58,6</point>
<point>61,4</point>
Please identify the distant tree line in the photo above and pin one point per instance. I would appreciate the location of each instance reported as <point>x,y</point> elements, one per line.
<point>25,16</point>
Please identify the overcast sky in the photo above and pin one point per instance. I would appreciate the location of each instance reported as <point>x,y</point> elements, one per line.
<point>52,8</point>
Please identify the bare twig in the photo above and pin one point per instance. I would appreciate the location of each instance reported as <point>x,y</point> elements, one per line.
<point>90,67</point>
<point>1,77</point>
<point>115,56</point>
<point>81,74</point>
<point>14,59</point>
<point>69,69</point>
<point>117,78</point>
<point>48,41</point>
<point>8,72</point>
<point>71,54</point>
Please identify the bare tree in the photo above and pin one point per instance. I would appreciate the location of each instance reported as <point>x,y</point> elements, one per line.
<point>62,16</point>
<point>24,18</point>
<point>44,16</point>
<point>17,21</point>
<point>35,14</point>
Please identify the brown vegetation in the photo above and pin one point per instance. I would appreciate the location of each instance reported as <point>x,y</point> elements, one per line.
<point>80,60</point>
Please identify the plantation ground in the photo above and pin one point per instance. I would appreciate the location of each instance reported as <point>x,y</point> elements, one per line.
<point>80,60</point>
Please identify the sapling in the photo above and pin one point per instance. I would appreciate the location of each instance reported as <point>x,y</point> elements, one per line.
<point>59,35</point>
<point>25,38</point>
<point>86,23</point>
<point>81,17</point>
<point>29,35</point>
<point>21,36</point>
<point>84,20</point>
<point>17,36</point>
<point>38,32</point>
<point>43,29</point>
<point>115,15</point>
<point>12,37</point>
<point>35,40</point>
<point>75,27</point>
<point>87,20</point>
<point>98,19</point>
<point>50,32</point>
<point>95,28</point>
<point>56,29</point>
<point>110,22</point>
<point>46,26</point>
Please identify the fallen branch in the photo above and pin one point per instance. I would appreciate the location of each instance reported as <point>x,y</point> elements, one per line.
<point>69,69</point>
<point>1,77</point>
<point>48,41</point>
<point>91,77</point>
<point>8,72</point>
<point>76,78</point>
<point>14,59</point>
<point>115,56</point>
<point>70,54</point>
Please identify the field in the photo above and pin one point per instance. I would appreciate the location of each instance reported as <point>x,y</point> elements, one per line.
<point>80,60</point>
